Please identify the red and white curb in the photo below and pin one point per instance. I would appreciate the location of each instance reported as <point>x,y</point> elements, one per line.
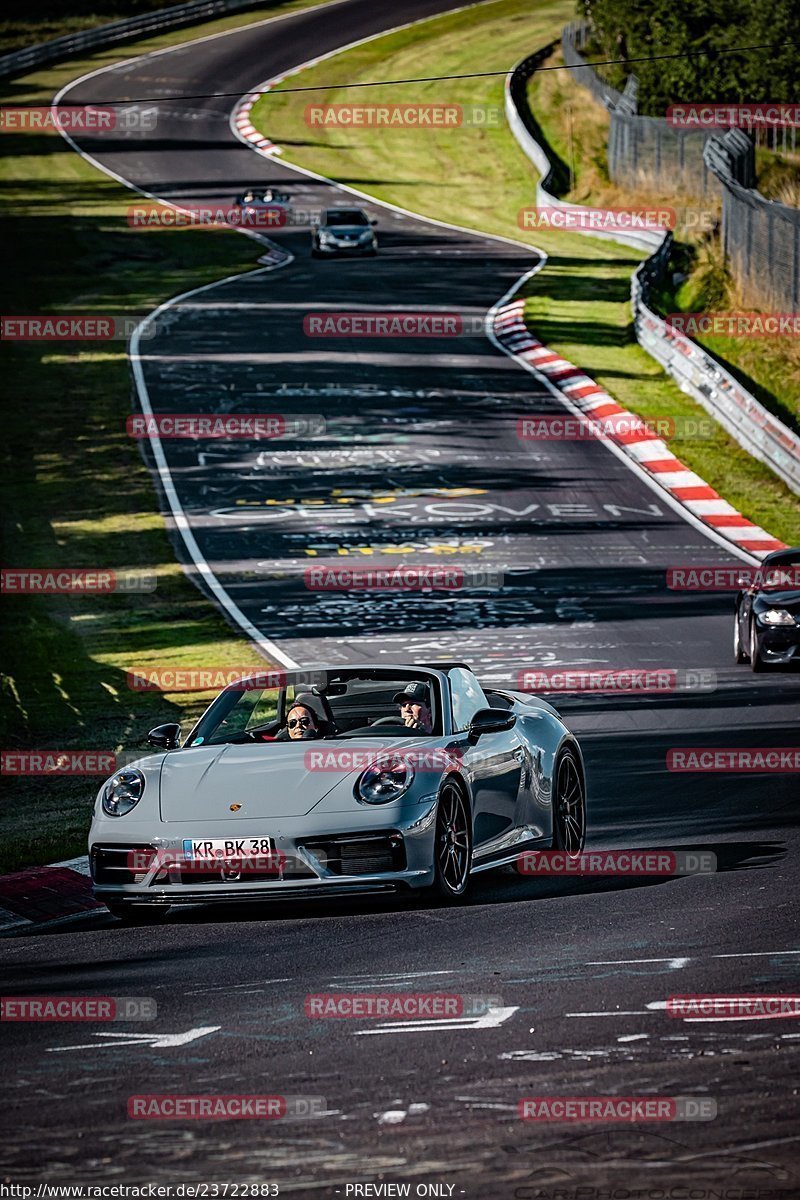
<point>634,437</point>
<point>40,895</point>
<point>243,127</point>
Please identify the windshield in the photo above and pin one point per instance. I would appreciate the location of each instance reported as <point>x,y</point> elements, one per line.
<point>346,216</point>
<point>780,573</point>
<point>330,706</point>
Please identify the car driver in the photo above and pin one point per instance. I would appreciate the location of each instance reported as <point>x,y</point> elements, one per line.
<point>302,723</point>
<point>415,707</point>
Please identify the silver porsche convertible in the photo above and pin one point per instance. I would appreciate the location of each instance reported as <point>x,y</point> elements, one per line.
<point>336,782</point>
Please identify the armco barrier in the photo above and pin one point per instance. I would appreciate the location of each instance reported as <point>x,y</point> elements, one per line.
<point>520,120</point>
<point>693,368</point>
<point>175,17</point>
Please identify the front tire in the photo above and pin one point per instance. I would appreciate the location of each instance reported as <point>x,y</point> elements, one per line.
<point>569,805</point>
<point>756,661</point>
<point>137,914</point>
<point>739,653</point>
<point>452,850</point>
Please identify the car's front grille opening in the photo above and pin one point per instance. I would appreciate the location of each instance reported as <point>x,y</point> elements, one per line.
<point>359,854</point>
<point>121,864</point>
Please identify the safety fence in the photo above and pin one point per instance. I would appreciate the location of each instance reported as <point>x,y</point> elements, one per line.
<point>760,237</point>
<point>645,153</point>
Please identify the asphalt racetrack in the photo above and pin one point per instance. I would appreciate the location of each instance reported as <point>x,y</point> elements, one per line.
<point>420,450</point>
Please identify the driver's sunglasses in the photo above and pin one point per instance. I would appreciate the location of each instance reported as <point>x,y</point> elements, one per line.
<point>304,722</point>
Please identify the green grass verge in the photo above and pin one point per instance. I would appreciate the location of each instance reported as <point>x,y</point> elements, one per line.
<point>579,304</point>
<point>74,489</point>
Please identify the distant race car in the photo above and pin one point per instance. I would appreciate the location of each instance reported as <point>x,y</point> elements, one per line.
<point>343,231</point>
<point>334,782</point>
<point>766,627</point>
<point>268,198</point>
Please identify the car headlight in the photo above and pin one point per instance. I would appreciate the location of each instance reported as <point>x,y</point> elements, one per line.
<point>367,236</point>
<point>776,616</point>
<point>325,237</point>
<point>384,780</point>
<point>123,792</point>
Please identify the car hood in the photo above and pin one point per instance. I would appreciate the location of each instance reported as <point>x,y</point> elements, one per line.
<point>790,600</point>
<point>277,779</point>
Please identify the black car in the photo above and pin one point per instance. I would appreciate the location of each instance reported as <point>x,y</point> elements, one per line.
<point>767,621</point>
<point>343,231</point>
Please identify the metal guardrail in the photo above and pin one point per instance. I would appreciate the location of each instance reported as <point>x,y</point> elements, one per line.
<point>695,371</point>
<point>524,128</point>
<point>174,17</point>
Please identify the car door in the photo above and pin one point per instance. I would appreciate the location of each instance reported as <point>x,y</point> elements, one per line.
<point>493,764</point>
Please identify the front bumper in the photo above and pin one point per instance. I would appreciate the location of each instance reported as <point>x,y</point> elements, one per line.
<point>374,851</point>
<point>346,248</point>
<point>779,644</point>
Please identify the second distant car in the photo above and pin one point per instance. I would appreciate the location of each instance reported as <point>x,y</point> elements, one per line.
<point>766,628</point>
<point>343,231</point>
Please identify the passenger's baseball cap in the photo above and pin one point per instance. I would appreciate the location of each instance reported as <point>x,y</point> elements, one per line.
<point>412,693</point>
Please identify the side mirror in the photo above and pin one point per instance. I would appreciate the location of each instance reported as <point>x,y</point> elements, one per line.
<point>374,221</point>
<point>490,720</point>
<point>165,737</point>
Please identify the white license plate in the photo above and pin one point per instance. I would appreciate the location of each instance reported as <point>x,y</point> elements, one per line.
<point>223,848</point>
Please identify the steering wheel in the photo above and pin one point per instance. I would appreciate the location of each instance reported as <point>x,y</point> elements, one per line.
<point>389,721</point>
